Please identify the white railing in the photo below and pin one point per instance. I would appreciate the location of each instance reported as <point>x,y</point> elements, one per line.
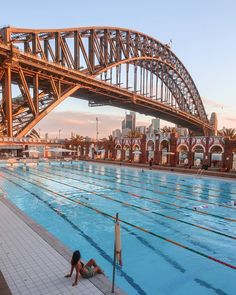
<point>27,140</point>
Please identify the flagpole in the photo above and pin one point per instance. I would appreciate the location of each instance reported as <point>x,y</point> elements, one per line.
<point>114,261</point>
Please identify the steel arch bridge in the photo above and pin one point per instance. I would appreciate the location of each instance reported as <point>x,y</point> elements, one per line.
<point>104,65</point>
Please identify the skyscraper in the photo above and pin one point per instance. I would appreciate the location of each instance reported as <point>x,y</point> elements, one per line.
<point>155,126</point>
<point>214,123</point>
<point>129,121</point>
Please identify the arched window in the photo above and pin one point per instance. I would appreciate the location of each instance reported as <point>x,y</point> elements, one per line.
<point>234,159</point>
<point>127,152</point>
<point>216,153</point>
<point>150,149</point>
<point>101,153</point>
<point>183,154</point>
<point>198,155</point>
<point>118,152</point>
<point>164,147</point>
<point>137,153</point>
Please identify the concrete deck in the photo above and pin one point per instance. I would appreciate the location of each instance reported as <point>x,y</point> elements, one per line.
<point>33,262</point>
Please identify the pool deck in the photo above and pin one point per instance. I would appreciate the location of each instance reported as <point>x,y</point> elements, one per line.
<point>34,262</point>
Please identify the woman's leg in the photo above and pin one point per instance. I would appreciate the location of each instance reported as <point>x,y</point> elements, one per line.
<point>91,263</point>
<point>98,270</point>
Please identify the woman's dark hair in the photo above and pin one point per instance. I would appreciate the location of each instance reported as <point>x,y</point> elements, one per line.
<point>75,257</point>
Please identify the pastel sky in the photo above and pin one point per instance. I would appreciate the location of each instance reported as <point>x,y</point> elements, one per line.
<point>203,36</point>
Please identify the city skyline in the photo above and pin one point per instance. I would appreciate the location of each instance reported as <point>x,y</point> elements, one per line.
<point>206,48</point>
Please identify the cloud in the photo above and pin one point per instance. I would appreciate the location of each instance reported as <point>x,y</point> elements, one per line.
<point>213,104</point>
<point>83,123</point>
<point>228,122</point>
<point>231,119</point>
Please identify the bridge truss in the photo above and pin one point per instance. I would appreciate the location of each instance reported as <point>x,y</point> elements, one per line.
<point>106,66</point>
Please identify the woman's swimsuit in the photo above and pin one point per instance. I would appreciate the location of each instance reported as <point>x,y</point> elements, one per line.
<point>87,274</point>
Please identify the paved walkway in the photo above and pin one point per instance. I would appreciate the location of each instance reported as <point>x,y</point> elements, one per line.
<point>30,265</point>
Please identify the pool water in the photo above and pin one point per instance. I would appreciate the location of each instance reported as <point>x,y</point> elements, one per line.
<point>178,232</point>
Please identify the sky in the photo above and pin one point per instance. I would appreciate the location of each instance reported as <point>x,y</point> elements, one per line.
<point>203,37</point>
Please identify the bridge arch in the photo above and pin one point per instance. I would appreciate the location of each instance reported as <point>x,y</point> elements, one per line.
<point>87,63</point>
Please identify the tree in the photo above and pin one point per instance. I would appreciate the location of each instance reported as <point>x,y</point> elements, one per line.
<point>110,138</point>
<point>76,139</point>
<point>228,132</point>
<point>168,129</point>
<point>134,134</point>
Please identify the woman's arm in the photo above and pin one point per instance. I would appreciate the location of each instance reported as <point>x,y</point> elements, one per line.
<point>71,271</point>
<point>77,268</point>
<point>76,279</point>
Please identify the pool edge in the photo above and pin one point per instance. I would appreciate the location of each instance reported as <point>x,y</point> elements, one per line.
<point>100,282</point>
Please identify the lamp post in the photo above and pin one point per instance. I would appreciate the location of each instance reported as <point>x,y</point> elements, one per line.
<point>97,129</point>
<point>59,133</point>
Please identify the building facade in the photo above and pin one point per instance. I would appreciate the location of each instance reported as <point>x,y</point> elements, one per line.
<point>166,149</point>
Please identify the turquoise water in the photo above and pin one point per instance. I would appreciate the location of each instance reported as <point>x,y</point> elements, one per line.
<point>165,206</point>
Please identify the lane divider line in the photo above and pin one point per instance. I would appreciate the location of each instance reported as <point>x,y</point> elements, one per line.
<point>165,194</point>
<point>140,228</point>
<point>159,201</point>
<point>148,189</point>
<point>159,180</point>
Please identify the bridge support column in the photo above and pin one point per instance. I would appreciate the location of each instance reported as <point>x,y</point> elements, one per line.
<point>7,95</point>
<point>143,157</point>
<point>173,148</point>
<point>156,159</point>
<point>207,155</point>
<point>190,158</point>
<point>228,154</point>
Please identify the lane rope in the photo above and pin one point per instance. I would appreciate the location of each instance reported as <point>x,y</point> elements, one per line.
<point>165,181</point>
<point>165,194</point>
<point>159,180</point>
<point>148,189</point>
<point>162,202</point>
<point>144,209</point>
<point>137,227</point>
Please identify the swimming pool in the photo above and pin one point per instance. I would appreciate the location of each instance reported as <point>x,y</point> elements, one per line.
<point>178,231</point>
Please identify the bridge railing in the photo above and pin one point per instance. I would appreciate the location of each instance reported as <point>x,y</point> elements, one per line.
<point>27,140</point>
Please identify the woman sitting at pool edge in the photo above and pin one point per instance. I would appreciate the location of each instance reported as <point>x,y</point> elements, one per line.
<point>86,271</point>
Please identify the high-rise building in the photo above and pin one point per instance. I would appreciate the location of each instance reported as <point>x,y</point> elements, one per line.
<point>116,133</point>
<point>141,129</point>
<point>125,131</point>
<point>123,124</point>
<point>129,121</point>
<point>156,125</point>
<point>133,114</point>
<point>214,123</point>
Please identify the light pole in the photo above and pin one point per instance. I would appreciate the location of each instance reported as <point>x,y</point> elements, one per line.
<point>96,128</point>
<point>59,133</point>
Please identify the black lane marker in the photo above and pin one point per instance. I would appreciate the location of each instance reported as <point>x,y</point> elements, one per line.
<point>194,242</point>
<point>164,194</point>
<point>129,279</point>
<point>142,240</point>
<point>159,180</point>
<point>208,286</point>
<point>137,207</point>
<point>157,201</point>
<point>136,226</point>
